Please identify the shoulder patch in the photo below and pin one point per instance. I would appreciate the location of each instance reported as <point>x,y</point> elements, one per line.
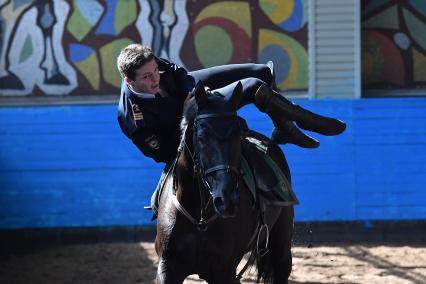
<point>137,113</point>
<point>153,142</point>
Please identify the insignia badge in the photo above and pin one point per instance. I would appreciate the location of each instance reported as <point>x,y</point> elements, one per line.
<point>153,142</point>
<point>137,113</point>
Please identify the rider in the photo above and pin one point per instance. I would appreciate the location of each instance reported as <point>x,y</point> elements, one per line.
<point>153,91</point>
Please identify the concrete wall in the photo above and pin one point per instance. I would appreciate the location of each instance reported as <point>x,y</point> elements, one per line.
<point>70,166</point>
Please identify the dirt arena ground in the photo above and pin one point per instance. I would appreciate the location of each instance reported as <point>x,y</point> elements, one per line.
<point>125,263</point>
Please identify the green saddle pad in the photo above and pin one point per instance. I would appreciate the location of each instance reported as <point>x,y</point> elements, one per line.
<point>263,176</point>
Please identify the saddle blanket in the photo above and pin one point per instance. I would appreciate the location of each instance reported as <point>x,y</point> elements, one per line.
<point>263,176</point>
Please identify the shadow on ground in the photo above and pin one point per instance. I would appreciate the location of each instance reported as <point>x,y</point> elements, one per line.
<point>102,263</point>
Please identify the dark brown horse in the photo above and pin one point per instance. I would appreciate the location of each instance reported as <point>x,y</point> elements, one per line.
<point>207,218</point>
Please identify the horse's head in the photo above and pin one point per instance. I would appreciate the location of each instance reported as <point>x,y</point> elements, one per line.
<point>217,134</point>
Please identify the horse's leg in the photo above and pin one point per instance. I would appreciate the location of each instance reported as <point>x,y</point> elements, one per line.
<point>280,245</point>
<point>169,273</point>
<point>225,276</point>
<point>170,269</point>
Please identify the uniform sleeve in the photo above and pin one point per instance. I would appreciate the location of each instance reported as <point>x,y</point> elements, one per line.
<point>148,143</point>
<point>183,81</point>
<point>152,145</point>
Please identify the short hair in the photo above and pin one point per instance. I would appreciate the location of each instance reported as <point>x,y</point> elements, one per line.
<point>131,58</point>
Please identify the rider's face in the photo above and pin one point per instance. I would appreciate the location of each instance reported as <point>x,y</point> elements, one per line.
<point>147,78</point>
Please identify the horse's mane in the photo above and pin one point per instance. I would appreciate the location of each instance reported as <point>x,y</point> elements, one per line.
<point>190,109</point>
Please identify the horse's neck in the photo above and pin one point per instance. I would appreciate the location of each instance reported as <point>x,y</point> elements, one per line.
<point>187,187</point>
<point>185,162</point>
<point>185,169</point>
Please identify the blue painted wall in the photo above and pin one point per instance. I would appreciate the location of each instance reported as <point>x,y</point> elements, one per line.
<point>67,166</point>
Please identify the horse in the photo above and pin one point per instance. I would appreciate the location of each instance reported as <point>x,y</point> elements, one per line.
<point>207,219</point>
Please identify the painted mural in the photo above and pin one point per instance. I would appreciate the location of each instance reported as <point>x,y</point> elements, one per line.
<point>69,47</point>
<point>31,51</point>
<point>394,44</point>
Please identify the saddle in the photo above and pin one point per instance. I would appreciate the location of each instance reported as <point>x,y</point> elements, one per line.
<point>260,173</point>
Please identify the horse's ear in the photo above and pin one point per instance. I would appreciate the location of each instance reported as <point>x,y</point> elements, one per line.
<point>236,96</point>
<point>200,94</point>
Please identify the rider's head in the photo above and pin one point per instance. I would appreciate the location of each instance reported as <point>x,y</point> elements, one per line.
<point>138,67</point>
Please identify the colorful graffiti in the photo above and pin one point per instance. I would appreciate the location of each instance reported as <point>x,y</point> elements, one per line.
<point>394,44</point>
<point>253,31</point>
<point>69,47</point>
<point>31,52</point>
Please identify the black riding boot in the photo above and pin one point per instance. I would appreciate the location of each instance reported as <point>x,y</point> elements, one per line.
<point>277,107</point>
<point>285,131</point>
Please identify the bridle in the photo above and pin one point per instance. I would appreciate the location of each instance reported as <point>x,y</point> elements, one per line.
<point>202,173</point>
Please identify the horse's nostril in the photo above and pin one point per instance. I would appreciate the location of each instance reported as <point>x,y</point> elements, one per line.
<point>225,211</point>
<point>218,203</point>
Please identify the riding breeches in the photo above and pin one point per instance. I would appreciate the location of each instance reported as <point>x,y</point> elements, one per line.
<point>224,78</point>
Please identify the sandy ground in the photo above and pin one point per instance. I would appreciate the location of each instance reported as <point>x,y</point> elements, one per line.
<point>124,263</point>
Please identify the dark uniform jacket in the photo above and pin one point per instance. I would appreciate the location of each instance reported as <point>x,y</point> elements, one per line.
<point>152,123</point>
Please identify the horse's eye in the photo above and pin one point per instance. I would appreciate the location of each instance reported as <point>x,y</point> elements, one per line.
<point>201,136</point>
<point>202,130</point>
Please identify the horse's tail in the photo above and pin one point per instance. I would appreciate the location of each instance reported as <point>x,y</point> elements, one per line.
<point>273,256</point>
